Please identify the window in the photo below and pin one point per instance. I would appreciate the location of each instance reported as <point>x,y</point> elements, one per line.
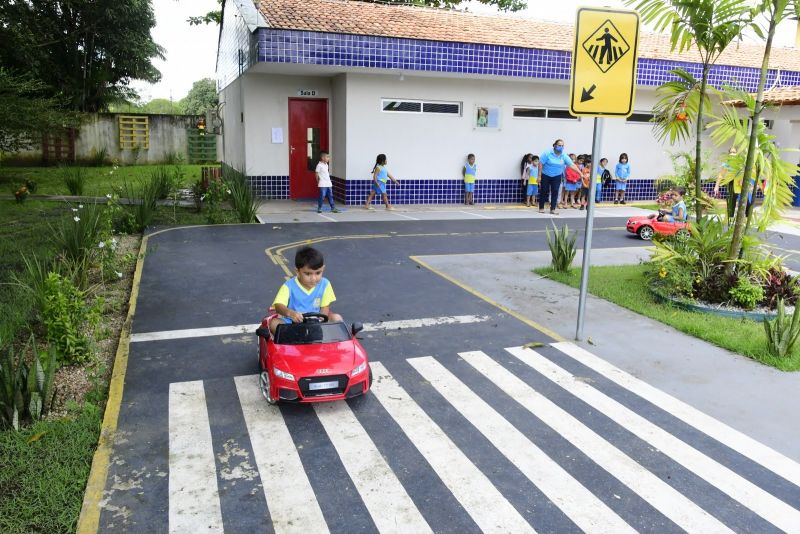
<point>312,148</point>
<point>420,106</point>
<point>530,113</point>
<point>560,114</point>
<point>524,112</point>
<point>640,117</point>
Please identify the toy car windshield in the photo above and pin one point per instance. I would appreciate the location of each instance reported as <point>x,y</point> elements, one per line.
<point>308,333</point>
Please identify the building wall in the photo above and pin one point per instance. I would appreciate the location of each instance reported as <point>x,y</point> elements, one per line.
<point>233,127</point>
<point>236,45</point>
<point>433,146</point>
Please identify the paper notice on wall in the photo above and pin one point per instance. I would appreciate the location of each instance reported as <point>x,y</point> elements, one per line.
<point>277,135</point>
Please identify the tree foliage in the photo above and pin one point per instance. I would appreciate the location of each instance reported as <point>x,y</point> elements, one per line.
<point>708,25</point>
<point>215,17</point>
<point>87,50</point>
<point>201,97</point>
<point>25,112</point>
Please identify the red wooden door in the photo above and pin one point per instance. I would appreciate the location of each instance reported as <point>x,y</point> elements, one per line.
<point>308,136</point>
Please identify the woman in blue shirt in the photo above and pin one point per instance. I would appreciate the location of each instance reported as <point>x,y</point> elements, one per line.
<point>621,173</point>
<point>552,164</point>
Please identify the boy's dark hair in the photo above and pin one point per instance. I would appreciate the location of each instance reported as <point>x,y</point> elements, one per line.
<point>603,159</point>
<point>680,190</point>
<point>470,156</point>
<point>323,153</point>
<point>309,257</point>
<point>535,157</point>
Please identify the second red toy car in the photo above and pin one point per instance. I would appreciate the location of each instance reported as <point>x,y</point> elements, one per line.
<point>646,226</point>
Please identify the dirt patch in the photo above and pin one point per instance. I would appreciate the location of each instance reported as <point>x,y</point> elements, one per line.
<point>75,382</point>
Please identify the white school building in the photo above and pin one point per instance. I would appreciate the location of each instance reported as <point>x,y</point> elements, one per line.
<point>428,86</point>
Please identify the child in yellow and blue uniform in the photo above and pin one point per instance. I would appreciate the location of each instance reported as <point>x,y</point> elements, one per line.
<point>470,173</point>
<point>532,191</point>
<point>380,175</point>
<point>308,292</point>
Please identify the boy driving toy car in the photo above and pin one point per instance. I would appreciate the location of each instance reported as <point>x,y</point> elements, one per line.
<point>308,292</point>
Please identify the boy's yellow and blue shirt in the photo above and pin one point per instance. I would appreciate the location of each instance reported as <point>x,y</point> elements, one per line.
<point>470,172</point>
<point>295,297</point>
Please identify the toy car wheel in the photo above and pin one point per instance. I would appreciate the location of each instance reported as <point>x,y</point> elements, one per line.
<point>646,232</point>
<point>264,386</point>
<point>682,234</point>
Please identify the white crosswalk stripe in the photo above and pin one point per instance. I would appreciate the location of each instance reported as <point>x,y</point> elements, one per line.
<point>745,445</point>
<point>195,500</point>
<point>292,504</point>
<point>387,501</point>
<point>662,496</point>
<point>482,501</point>
<point>193,494</point>
<point>748,494</point>
<point>578,503</point>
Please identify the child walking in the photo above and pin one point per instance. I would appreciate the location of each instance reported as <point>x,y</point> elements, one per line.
<point>324,182</point>
<point>470,173</point>
<point>380,175</point>
<point>621,174</point>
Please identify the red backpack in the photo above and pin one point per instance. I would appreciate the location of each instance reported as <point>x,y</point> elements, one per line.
<point>572,175</point>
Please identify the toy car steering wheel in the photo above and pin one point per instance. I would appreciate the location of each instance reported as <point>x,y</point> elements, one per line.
<point>314,317</point>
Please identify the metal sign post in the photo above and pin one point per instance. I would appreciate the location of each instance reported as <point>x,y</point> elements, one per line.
<point>603,84</point>
<point>587,237</point>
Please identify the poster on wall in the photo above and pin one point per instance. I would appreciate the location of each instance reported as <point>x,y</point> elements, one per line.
<point>487,117</point>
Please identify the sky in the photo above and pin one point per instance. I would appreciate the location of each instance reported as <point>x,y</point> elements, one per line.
<point>191,50</point>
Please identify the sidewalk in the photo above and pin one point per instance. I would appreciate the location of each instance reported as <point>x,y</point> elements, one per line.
<point>750,397</point>
<point>286,211</point>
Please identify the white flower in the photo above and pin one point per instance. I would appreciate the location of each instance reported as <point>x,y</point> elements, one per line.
<point>229,191</point>
<point>80,206</point>
<point>76,218</point>
<point>101,244</point>
<point>119,275</point>
<point>74,209</point>
<point>202,197</point>
<point>113,240</point>
<point>108,195</point>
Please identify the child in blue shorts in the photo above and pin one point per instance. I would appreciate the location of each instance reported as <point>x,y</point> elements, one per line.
<point>470,174</point>
<point>308,292</point>
<point>621,174</point>
<point>533,182</point>
<point>380,175</point>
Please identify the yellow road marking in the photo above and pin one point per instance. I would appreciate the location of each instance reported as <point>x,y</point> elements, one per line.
<point>89,520</point>
<point>541,328</point>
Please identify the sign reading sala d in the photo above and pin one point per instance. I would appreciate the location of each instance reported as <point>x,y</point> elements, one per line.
<point>604,62</point>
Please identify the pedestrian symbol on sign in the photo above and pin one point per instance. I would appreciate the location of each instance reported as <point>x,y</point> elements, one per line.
<point>606,46</point>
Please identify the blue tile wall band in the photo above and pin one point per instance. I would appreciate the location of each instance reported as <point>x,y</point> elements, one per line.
<point>447,191</point>
<point>319,48</point>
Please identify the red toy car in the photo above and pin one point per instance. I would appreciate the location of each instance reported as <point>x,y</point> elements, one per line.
<point>646,226</point>
<point>312,361</point>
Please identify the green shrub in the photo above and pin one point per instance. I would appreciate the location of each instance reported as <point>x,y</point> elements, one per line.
<point>161,180</point>
<point>562,248</point>
<point>34,278</point>
<point>782,333</point>
<point>746,294</point>
<point>143,200</point>
<point>98,158</point>
<point>74,178</point>
<point>77,235</point>
<point>25,389</point>
<point>31,185</point>
<point>67,317</point>
<point>215,195</point>
<point>244,202</point>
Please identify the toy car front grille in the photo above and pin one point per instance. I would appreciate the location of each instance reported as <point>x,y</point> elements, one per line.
<point>305,385</point>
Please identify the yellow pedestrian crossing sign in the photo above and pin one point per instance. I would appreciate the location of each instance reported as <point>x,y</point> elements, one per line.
<point>604,62</point>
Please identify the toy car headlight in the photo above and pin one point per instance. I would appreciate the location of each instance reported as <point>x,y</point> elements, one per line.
<point>283,374</point>
<point>358,370</point>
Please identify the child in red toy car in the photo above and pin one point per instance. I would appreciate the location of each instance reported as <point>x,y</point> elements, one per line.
<point>678,213</point>
<point>307,292</point>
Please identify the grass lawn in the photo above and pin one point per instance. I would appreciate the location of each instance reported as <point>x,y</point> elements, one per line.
<point>44,472</point>
<point>99,180</point>
<point>625,286</point>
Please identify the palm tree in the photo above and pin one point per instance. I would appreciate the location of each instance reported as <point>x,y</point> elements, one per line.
<point>709,26</point>
<point>775,12</point>
<point>730,128</point>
